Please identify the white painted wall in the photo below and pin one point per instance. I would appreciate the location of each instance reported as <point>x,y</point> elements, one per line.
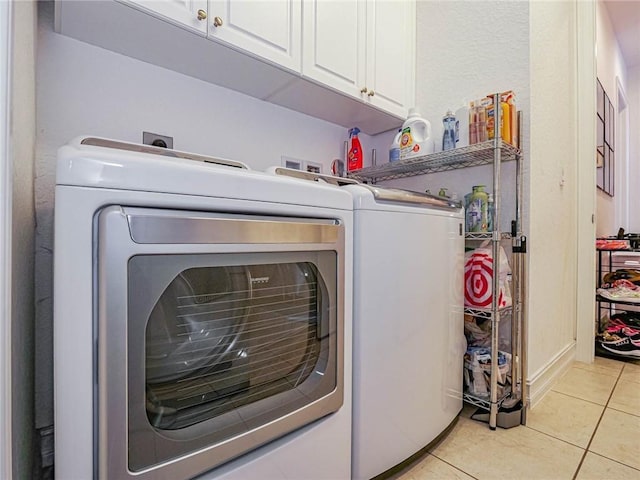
<point>610,66</point>
<point>633,96</point>
<point>463,58</point>
<point>553,182</point>
<point>459,58</point>
<point>86,90</point>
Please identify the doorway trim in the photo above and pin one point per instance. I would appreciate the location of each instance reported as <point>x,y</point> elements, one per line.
<point>6,190</point>
<point>585,101</point>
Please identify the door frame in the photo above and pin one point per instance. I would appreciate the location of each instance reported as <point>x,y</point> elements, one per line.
<point>6,190</point>
<point>585,138</point>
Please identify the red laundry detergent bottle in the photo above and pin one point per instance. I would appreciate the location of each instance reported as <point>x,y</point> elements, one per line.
<point>354,157</point>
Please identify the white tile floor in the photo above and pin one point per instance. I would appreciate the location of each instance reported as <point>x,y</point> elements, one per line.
<point>586,428</point>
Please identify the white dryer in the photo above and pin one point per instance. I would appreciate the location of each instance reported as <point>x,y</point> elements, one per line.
<point>202,320</point>
<point>408,324</point>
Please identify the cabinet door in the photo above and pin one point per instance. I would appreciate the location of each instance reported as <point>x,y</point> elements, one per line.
<point>391,47</point>
<point>334,36</point>
<point>191,14</point>
<point>269,29</point>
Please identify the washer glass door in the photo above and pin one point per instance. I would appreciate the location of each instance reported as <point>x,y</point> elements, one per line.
<point>224,348</point>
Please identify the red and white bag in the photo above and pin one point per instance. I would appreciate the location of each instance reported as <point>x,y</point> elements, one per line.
<point>478,278</point>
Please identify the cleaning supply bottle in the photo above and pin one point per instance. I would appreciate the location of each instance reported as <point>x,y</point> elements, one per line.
<point>394,149</point>
<point>354,157</point>
<point>504,129</point>
<point>416,136</point>
<point>449,134</point>
<point>462,124</point>
<point>477,210</point>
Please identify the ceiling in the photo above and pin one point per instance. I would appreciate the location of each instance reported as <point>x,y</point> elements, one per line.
<point>625,17</point>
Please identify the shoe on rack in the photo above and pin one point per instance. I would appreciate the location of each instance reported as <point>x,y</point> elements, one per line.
<point>625,346</point>
<point>630,319</point>
<point>623,274</point>
<point>621,291</point>
<point>622,331</point>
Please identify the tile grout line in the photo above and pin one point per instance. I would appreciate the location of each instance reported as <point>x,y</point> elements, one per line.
<point>623,411</point>
<point>616,461</point>
<point>579,398</point>
<point>555,438</point>
<point>595,430</point>
<point>453,466</point>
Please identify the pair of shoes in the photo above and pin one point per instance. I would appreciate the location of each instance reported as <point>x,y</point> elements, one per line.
<point>624,341</point>
<point>621,291</point>
<point>623,274</point>
<point>626,346</point>
<point>630,319</point>
<point>616,325</point>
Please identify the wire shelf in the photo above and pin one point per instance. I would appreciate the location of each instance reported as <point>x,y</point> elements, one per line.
<point>486,236</point>
<point>483,402</point>
<point>487,312</point>
<point>463,157</point>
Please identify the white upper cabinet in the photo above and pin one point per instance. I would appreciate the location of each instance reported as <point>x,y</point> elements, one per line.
<point>391,55</point>
<point>191,14</point>
<point>349,62</point>
<point>334,36</point>
<point>364,48</point>
<point>270,29</point>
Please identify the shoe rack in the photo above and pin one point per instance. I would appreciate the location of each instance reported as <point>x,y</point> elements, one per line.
<point>617,317</point>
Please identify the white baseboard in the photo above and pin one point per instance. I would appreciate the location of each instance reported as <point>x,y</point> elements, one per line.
<point>541,381</point>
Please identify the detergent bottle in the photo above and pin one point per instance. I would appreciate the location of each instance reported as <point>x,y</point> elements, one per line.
<point>477,210</point>
<point>416,137</point>
<point>354,157</point>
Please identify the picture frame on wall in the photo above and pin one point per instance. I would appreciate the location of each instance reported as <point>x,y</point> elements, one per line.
<point>605,142</point>
<point>607,160</point>
<point>600,100</point>
<point>599,158</point>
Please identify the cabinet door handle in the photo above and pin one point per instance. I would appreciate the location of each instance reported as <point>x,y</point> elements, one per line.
<point>371,93</point>
<point>217,22</point>
<point>364,90</point>
<point>202,15</point>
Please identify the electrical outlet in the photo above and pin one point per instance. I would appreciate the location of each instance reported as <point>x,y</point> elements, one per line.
<point>157,140</point>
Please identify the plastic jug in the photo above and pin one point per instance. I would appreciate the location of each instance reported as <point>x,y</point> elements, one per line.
<point>394,149</point>
<point>416,137</point>
<point>477,211</point>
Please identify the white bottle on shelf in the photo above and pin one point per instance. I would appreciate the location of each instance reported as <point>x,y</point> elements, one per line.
<point>462,125</point>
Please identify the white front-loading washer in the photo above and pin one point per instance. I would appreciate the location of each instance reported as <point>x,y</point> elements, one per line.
<point>408,324</point>
<point>202,319</point>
